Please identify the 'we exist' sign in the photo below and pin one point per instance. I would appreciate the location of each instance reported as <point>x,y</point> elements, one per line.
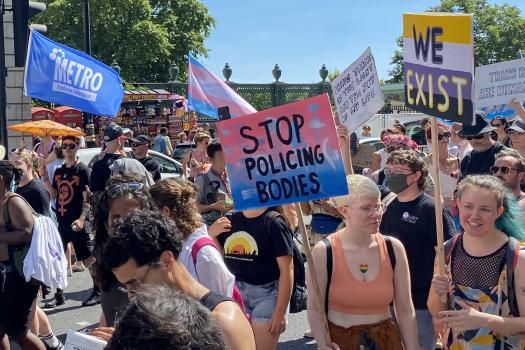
<point>439,63</point>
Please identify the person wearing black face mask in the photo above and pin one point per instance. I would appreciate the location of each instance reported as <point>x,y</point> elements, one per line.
<point>410,217</point>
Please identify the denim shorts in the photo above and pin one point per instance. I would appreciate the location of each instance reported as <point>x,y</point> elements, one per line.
<point>259,300</point>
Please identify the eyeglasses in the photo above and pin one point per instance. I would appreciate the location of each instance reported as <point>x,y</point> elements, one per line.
<point>68,146</point>
<point>445,135</point>
<point>474,137</point>
<point>118,188</point>
<point>137,281</point>
<point>504,169</point>
<point>390,172</point>
<point>496,125</point>
<point>17,150</point>
<point>370,210</point>
<point>135,145</point>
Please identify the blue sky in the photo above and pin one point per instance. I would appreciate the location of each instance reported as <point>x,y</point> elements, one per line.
<point>301,35</point>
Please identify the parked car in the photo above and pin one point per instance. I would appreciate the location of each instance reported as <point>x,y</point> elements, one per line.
<point>180,150</point>
<point>363,158</point>
<point>168,167</point>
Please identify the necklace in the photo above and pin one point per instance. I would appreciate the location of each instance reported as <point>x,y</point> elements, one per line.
<point>364,269</point>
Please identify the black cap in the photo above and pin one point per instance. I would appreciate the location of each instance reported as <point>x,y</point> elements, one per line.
<point>140,139</point>
<point>112,132</point>
<point>481,126</point>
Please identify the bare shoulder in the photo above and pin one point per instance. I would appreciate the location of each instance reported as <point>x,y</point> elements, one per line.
<point>235,326</point>
<point>228,312</point>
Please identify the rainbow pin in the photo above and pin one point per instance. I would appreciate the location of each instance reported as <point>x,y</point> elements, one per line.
<point>363,268</point>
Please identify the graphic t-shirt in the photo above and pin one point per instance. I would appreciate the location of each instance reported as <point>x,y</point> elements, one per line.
<point>36,195</point>
<point>250,249</point>
<point>100,173</point>
<point>414,224</point>
<point>70,183</point>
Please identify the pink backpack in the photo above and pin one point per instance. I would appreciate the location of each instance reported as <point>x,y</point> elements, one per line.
<point>205,241</point>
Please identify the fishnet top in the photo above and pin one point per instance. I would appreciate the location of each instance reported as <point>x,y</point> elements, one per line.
<point>477,271</point>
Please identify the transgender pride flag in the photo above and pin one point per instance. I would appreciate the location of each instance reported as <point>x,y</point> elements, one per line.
<point>207,93</point>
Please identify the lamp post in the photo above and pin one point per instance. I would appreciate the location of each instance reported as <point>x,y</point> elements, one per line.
<point>89,127</point>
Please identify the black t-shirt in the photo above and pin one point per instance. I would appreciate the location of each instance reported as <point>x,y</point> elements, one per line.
<point>36,195</point>
<point>250,251</point>
<point>100,173</point>
<point>70,183</point>
<point>152,166</point>
<point>414,224</point>
<point>480,162</point>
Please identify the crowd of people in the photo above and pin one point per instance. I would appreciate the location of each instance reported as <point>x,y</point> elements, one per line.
<point>174,267</point>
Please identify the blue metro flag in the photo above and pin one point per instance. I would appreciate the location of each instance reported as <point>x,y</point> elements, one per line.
<point>57,73</point>
<point>207,93</point>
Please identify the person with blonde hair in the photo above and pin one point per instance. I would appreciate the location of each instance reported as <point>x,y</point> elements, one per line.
<point>485,282</point>
<point>360,272</point>
<point>197,159</point>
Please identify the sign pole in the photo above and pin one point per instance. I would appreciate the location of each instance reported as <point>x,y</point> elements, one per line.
<point>313,275</point>
<point>440,249</point>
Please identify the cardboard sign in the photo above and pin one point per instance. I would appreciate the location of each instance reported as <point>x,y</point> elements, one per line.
<point>496,84</point>
<point>357,93</point>
<point>283,155</point>
<point>81,341</point>
<point>438,53</point>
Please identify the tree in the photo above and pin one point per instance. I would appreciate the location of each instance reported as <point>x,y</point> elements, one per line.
<point>499,32</point>
<point>143,36</point>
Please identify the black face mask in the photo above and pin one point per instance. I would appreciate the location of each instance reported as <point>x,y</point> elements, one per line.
<point>397,182</point>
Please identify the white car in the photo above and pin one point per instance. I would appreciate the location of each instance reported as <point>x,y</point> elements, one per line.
<point>168,166</point>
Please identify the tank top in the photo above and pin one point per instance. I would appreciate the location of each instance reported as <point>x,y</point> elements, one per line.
<point>350,296</point>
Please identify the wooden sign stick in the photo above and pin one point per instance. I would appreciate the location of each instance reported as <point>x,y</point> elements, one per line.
<point>440,249</point>
<point>313,275</point>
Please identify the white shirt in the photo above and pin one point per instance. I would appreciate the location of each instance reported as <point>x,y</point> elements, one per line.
<point>210,269</point>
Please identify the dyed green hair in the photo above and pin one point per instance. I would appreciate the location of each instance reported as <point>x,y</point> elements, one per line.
<point>510,221</point>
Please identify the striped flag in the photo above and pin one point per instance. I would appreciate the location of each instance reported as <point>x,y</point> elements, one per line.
<point>207,93</point>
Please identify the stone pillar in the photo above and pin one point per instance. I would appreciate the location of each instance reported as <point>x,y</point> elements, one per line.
<point>18,109</point>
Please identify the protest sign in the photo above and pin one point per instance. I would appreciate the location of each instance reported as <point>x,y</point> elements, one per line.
<point>81,341</point>
<point>282,155</point>
<point>438,51</point>
<point>357,93</point>
<point>498,83</point>
<point>57,73</point>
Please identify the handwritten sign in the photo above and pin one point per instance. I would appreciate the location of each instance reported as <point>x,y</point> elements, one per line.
<point>283,155</point>
<point>438,53</point>
<point>496,84</point>
<point>357,93</point>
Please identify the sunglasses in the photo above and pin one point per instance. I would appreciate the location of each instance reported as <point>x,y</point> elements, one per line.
<point>496,125</point>
<point>68,146</point>
<point>445,135</point>
<point>119,188</point>
<point>474,137</point>
<point>135,145</point>
<point>504,169</point>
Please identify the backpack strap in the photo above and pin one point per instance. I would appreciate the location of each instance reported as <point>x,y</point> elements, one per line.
<point>391,253</point>
<point>201,243</point>
<point>513,250</point>
<point>449,247</point>
<point>329,268</point>
<point>389,198</point>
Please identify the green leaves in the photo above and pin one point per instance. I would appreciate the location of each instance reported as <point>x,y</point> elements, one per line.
<point>143,36</point>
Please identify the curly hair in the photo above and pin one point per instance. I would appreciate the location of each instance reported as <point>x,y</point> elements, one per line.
<point>180,199</point>
<point>160,317</point>
<point>102,216</point>
<point>413,160</point>
<point>142,235</point>
<point>510,221</point>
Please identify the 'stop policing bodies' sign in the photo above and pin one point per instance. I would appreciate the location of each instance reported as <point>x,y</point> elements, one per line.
<point>282,155</point>
<point>57,73</point>
<point>439,64</point>
<point>357,92</point>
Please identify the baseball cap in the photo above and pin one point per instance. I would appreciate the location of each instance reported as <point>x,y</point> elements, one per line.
<point>140,139</point>
<point>518,126</point>
<point>112,132</point>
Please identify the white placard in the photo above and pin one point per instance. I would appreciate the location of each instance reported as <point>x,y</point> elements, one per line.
<point>357,93</point>
<point>81,341</point>
<point>498,83</point>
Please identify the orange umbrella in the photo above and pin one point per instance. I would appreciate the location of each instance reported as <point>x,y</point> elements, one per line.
<point>45,128</point>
